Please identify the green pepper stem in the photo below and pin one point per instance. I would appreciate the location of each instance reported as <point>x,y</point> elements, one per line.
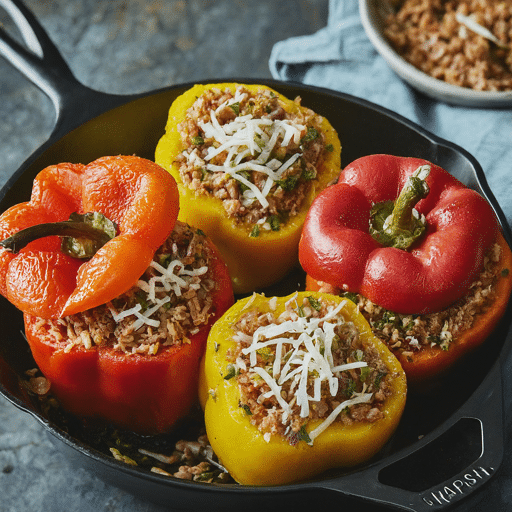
<point>402,218</point>
<point>398,224</point>
<point>74,229</point>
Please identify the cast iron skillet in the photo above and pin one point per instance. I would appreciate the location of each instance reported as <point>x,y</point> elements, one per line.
<point>450,441</point>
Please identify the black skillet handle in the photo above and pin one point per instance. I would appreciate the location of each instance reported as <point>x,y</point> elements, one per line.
<point>448,465</point>
<point>41,62</point>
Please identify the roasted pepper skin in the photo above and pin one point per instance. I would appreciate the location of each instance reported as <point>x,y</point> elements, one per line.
<point>241,446</point>
<point>336,246</point>
<point>146,394</point>
<point>432,361</point>
<point>253,262</point>
<point>135,193</point>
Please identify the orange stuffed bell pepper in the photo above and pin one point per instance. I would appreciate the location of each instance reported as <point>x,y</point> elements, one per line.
<point>129,357</point>
<point>421,254</point>
<point>296,385</point>
<point>248,163</point>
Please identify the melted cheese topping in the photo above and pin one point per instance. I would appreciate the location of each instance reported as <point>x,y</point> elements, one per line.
<point>249,143</point>
<point>312,341</point>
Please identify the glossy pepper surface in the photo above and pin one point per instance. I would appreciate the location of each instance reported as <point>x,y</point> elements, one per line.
<point>143,393</point>
<point>432,360</point>
<point>253,261</point>
<point>249,456</point>
<point>136,194</point>
<point>437,269</point>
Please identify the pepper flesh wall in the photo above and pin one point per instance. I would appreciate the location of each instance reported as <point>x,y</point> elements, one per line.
<point>244,440</point>
<point>427,285</point>
<point>78,313</point>
<point>337,248</point>
<point>43,281</point>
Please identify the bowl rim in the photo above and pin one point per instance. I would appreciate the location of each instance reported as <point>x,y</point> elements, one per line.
<point>433,87</point>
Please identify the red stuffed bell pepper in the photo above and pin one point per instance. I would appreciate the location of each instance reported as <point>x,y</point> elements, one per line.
<point>419,252</point>
<point>118,342</point>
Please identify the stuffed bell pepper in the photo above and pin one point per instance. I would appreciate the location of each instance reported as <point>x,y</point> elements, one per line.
<point>421,254</point>
<point>118,297</point>
<point>296,385</point>
<point>248,163</point>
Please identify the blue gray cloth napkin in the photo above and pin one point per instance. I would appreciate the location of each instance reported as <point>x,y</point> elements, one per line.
<point>342,58</point>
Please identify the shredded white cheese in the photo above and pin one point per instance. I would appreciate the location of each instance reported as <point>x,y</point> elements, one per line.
<point>249,138</point>
<point>174,278</point>
<point>311,341</point>
<point>469,22</point>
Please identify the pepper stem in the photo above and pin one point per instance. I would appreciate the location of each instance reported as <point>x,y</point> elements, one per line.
<point>82,235</point>
<point>397,223</point>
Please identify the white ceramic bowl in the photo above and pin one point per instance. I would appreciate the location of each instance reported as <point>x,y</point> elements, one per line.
<point>372,14</point>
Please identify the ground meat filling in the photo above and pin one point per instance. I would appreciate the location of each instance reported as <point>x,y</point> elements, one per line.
<point>463,42</point>
<point>170,302</point>
<point>407,334</point>
<point>320,371</point>
<point>247,150</point>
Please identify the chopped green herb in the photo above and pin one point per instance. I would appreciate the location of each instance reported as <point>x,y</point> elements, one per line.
<point>246,409</point>
<point>204,173</point>
<point>141,298</point>
<point>289,183</point>
<point>365,371</point>
<point>204,477</point>
<point>351,388</point>
<point>388,318</point>
<point>255,232</point>
<point>433,338</point>
<point>303,435</point>
<point>247,176</point>
<point>261,143</point>
<point>311,134</point>
<point>165,259</point>
<point>505,272</point>
<point>200,232</point>
<point>123,458</point>
<point>308,174</point>
<point>197,140</point>
<point>358,355</point>
<point>231,372</point>
<point>329,147</point>
<point>379,378</point>
<point>275,224</point>
<point>235,107</point>
<point>314,303</point>
<point>351,296</point>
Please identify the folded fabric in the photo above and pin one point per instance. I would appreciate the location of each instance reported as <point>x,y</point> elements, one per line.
<point>342,58</point>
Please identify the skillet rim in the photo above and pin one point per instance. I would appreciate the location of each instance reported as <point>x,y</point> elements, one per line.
<point>434,140</point>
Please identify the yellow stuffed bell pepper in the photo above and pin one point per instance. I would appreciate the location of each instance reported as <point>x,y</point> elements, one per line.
<point>297,385</point>
<point>248,162</point>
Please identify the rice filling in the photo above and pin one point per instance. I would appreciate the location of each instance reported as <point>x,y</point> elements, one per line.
<point>169,303</point>
<point>306,364</point>
<point>247,150</point>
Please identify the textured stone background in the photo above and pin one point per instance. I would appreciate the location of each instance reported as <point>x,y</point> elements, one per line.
<point>127,47</point>
<point>131,46</point>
